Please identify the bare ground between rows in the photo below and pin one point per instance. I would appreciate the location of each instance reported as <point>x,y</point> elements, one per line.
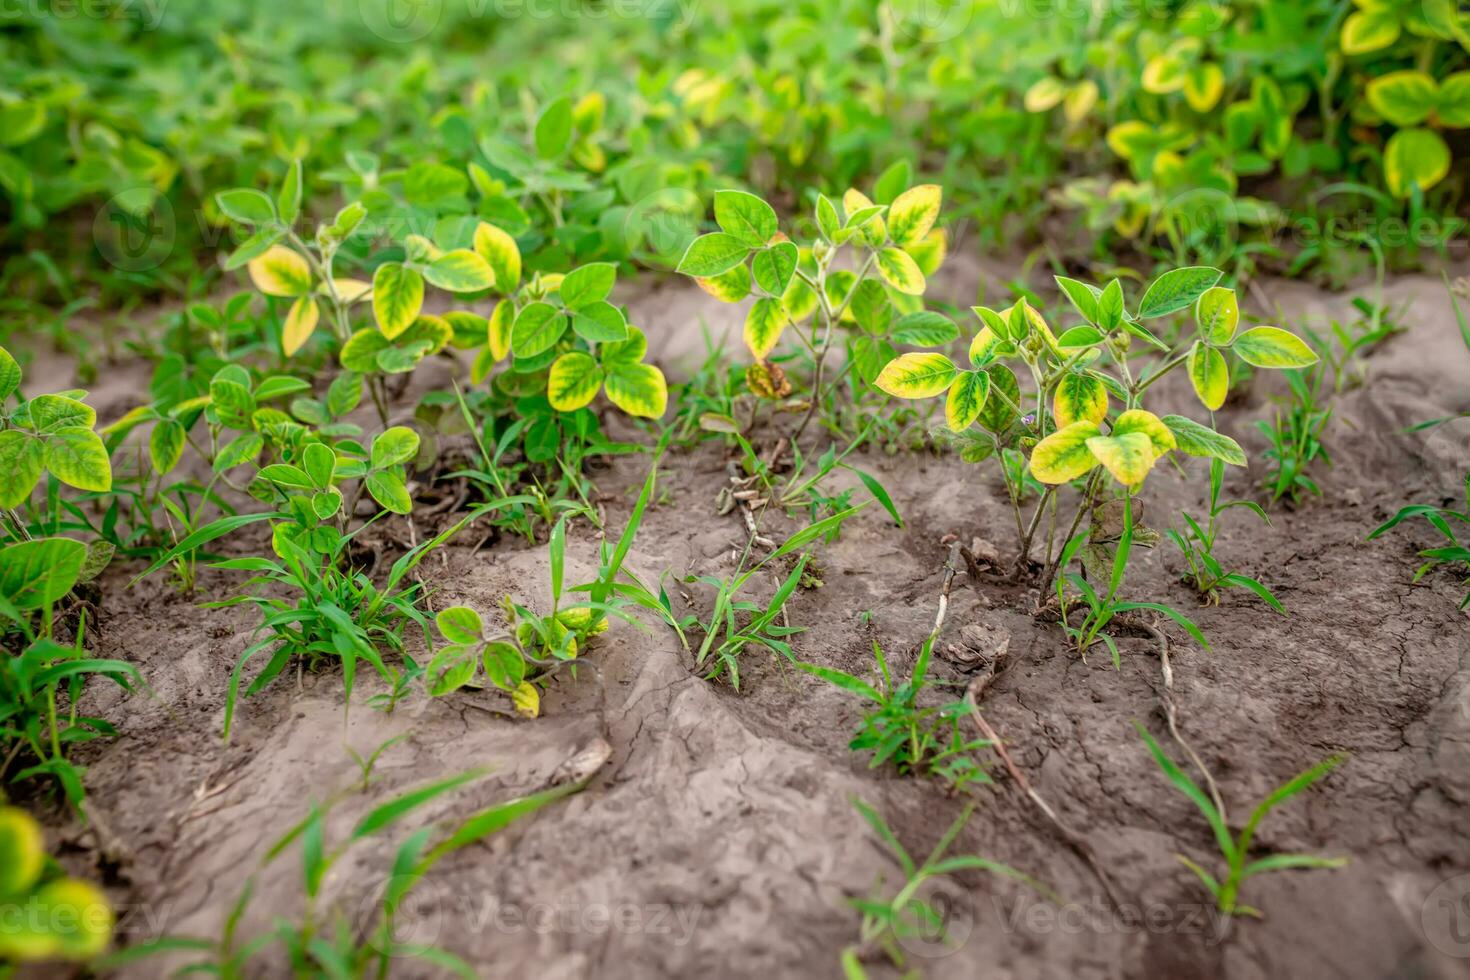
<point>721,838</point>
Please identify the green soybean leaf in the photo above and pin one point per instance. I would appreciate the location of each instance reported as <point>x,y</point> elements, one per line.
<point>36,573</point>
<point>710,255</point>
<point>396,445</point>
<point>1201,440</point>
<point>77,457</point>
<point>389,490</point>
<point>537,328</point>
<point>22,460</point>
<point>745,217</point>
<point>588,284</point>
<point>1176,290</point>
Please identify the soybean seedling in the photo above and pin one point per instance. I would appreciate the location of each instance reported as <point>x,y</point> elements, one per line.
<point>927,740</point>
<point>1236,849</point>
<point>1197,545</point>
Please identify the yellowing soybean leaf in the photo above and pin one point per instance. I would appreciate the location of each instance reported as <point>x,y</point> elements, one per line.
<point>913,213</point>
<point>502,319</point>
<point>929,251</point>
<point>573,381</point>
<point>1127,457</point>
<point>1005,393</point>
<point>916,375</point>
<point>966,399</point>
<point>301,320</point>
<point>1218,314</point>
<point>1045,94</point>
<point>638,389</point>
<point>1203,86</point>
<point>1210,375</point>
<point>1063,456</point>
<point>1138,420</point>
<point>800,300</point>
<point>349,291</point>
<point>900,271</point>
<point>1080,398</point>
<point>730,286</point>
<point>1415,158</point>
<point>526,700</point>
<point>9,374</point>
<point>1404,98</point>
<point>23,847</point>
<point>1369,30</point>
<point>398,296</point>
<point>500,250</point>
<point>763,326</point>
<point>1272,347</point>
<point>470,329</point>
<point>1175,290</point>
<point>982,348</point>
<point>460,271</point>
<point>875,230</point>
<point>280,272</point>
<point>395,445</point>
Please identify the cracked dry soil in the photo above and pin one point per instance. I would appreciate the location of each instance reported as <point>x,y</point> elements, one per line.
<point>720,839</point>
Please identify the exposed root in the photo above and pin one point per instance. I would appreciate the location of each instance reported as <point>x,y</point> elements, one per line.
<point>1171,711</point>
<point>973,693</point>
<point>1074,840</point>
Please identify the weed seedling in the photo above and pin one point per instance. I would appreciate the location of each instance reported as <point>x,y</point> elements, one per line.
<point>736,623</point>
<point>1235,849</point>
<point>890,919</point>
<point>1197,545</point>
<point>927,739</point>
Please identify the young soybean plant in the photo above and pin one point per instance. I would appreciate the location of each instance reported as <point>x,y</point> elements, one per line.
<point>45,434</point>
<point>893,245</point>
<point>1235,849</point>
<point>44,915</point>
<point>1084,416</point>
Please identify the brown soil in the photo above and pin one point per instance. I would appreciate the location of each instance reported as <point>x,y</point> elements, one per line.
<point>721,839</point>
